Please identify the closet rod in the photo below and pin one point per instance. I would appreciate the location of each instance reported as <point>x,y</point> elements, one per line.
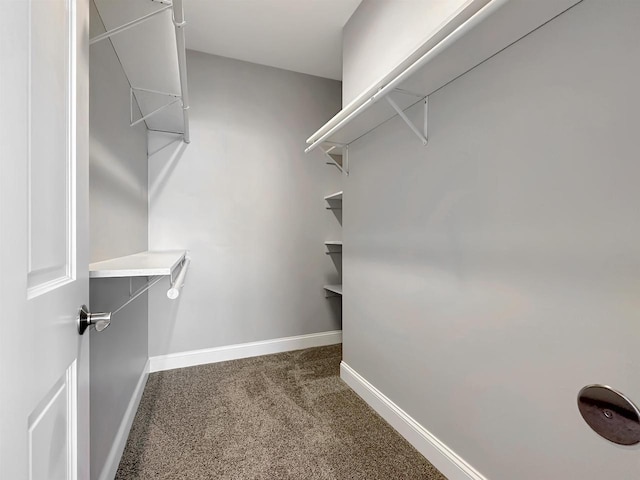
<point>127,26</point>
<point>178,283</point>
<point>179,23</point>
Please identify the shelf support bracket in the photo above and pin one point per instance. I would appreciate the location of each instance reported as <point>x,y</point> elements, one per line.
<point>422,135</point>
<point>176,98</point>
<point>174,291</point>
<point>132,296</point>
<point>128,25</point>
<point>344,168</point>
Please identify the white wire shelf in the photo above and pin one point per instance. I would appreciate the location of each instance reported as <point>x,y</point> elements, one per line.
<point>143,264</point>
<point>476,32</point>
<point>149,40</point>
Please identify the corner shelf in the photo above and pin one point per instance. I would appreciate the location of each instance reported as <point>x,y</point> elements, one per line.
<point>333,290</point>
<point>334,247</point>
<point>334,196</point>
<point>143,264</point>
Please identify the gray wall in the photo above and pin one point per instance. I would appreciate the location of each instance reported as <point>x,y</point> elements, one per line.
<point>118,177</point>
<point>382,33</point>
<point>493,273</point>
<point>247,203</point>
<point>118,209</point>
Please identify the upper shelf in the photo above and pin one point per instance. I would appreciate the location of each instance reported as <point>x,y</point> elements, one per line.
<point>334,196</point>
<point>149,40</point>
<point>143,264</point>
<point>477,31</point>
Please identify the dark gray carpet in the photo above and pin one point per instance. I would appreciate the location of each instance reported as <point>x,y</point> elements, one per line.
<point>284,416</point>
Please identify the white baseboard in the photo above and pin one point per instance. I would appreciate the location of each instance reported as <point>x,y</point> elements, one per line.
<point>243,350</point>
<point>441,456</point>
<point>115,454</point>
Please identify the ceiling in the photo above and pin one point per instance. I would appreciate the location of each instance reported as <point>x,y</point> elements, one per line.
<point>299,35</point>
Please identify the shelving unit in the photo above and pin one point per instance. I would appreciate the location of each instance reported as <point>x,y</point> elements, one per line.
<point>333,247</point>
<point>152,265</point>
<point>143,264</point>
<point>477,31</point>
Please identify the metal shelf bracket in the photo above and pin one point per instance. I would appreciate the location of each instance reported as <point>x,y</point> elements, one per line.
<point>176,99</point>
<point>176,284</point>
<point>128,25</point>
<point>344,168</point>
<point>423,134</point>
<point>133,295</point>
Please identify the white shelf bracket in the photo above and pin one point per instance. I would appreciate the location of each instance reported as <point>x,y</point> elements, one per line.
<point>344,168</point>
<point>422,135</point>
<point>173,293</point>
<point>132,296</point>
<point>127,25</point>
<point>176,98</point>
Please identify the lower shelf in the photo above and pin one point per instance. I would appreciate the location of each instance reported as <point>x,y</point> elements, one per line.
<point>143,264</point>
<point>333,290</point>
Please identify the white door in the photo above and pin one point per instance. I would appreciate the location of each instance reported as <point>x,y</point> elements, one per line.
<point>44,363</point>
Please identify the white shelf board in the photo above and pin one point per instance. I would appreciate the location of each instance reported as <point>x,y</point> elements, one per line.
<point>334,196</point>
<point>479,30</point>
<point>334,288</point>
<point>333,243</point>
<point>143,264</point>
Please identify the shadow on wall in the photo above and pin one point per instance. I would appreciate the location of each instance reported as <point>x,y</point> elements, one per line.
<point>335,206</point>
<point>113,172</point>
<point>336,257</point>
<point>336,308</point>
<point>179,147</point>
<point>165,151</point>
<point>171,311</point>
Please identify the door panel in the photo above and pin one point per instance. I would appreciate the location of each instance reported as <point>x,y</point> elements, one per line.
<point>51,149</point>
<point>44,363</point>
<point>55,418</point>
